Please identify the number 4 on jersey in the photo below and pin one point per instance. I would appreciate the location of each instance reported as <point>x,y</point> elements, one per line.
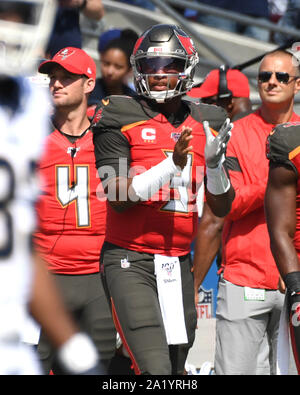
<point>79,193</point>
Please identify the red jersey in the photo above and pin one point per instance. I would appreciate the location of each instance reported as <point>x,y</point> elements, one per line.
<point>72,220</point>
<point>165,224</point>
<point>246,256</point>
<point>284,147</point>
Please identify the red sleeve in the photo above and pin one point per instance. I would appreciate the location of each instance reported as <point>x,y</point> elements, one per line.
<point>248,196</point>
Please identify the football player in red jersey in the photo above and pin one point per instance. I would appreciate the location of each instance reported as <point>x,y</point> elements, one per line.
<point>282,203</point>
<point>151,151</point>
<point>71,219</point>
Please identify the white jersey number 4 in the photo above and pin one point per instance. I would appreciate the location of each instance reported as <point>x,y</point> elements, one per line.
<point>77,193</point>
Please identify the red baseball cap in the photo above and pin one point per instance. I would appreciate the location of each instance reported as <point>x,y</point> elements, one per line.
<point>74,60</point>
<point>237,83</point>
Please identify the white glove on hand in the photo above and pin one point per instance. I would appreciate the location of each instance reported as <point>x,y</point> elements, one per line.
<point>215,147</point>
<point>78,355</point>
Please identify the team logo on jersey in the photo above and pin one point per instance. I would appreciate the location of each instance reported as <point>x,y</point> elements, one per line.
<point>149,135</point>
<point>175,136</point>
<point>97,116</point>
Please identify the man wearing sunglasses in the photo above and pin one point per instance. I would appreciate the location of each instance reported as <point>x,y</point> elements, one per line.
<point>149,167</point>
<point>249,302</point>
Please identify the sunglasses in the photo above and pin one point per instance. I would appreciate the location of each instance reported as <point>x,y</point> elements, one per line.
<point>282,77</point>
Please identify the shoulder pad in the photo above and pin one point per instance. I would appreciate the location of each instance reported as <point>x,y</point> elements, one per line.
<point>283,143</point>
<point>215,115</point>
<point>114,112</point>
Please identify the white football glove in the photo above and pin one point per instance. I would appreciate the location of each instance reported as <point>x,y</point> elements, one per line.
<point>78,355</point>
<point>215,147</point>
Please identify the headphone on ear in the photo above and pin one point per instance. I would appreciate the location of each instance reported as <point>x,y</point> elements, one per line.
<point>223,91</point>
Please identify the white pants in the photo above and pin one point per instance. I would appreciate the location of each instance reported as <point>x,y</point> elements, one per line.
<point>241,327</point>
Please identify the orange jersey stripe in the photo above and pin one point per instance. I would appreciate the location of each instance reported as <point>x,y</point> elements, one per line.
<point>294,153</point>
<point>132,125</point>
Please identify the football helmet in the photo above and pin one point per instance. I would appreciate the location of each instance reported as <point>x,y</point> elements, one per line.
<point>24,30</point>
<point>168,49</point>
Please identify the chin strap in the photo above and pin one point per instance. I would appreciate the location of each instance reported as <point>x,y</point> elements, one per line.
<point>160,96</point>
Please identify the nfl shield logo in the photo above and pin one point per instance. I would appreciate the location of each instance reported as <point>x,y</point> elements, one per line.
<point>125,263</point>
<point>204,306</point>
<point>175,136</point>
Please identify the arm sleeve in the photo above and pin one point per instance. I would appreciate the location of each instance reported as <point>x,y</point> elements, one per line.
<point>112,154</point>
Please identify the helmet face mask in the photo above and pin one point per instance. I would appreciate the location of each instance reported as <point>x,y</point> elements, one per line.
<point>25,27</point>
<point>164,51</point>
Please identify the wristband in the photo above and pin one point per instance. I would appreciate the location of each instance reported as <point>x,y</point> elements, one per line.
<point>292,282</point>
<point>78,354</point>
<point>217,180</point>
<point>151,181</point>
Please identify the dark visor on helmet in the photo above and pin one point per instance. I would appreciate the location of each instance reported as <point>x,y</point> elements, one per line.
<point>162,64</point>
